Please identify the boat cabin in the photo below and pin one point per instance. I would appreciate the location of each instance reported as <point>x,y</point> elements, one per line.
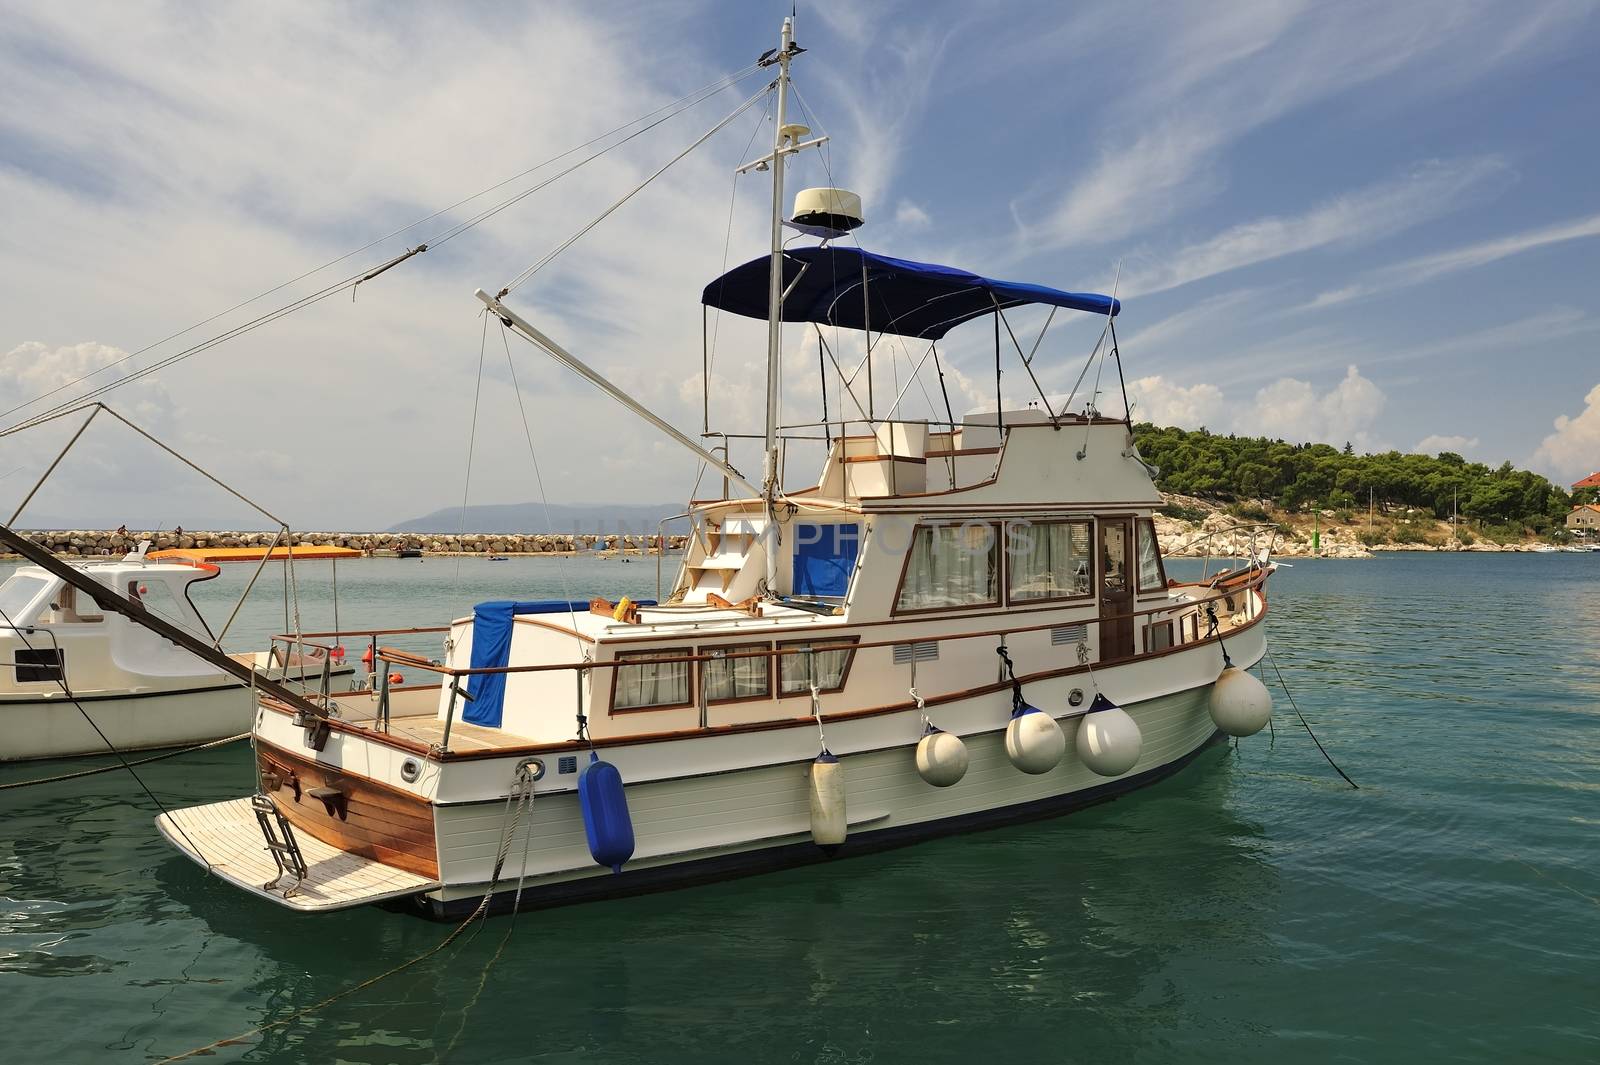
<point>50,631</point>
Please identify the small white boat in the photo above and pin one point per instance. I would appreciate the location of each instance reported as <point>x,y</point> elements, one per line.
<point>77,680</point>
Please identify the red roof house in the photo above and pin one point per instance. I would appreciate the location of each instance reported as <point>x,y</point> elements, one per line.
<point>1591,481</point>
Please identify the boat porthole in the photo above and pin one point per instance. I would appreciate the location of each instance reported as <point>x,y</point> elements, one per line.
<point>535,768</point>
<point>410,770</point>
<point>1075,697</point>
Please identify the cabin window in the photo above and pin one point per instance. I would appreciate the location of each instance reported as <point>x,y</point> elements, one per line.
<point>1048,560</point>
<point>17,592</point>
<point>730,679</point>
<point>159,599</point>
<point>829,667</point>
<point>951,566</point>
<point>651,685</point>
<point>71,608</point>
<point>1152,578</point>
<point>1158,636</point>
<point>39,664</point>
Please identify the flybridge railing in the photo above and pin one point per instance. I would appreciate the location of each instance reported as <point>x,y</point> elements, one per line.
<point>451,675</point>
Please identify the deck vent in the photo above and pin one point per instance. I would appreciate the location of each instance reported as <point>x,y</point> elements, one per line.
<point>568,763</point>
<point>1063,634</point>
<point>920,651</point>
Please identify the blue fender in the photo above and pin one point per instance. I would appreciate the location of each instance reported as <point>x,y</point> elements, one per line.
<point>605,813</point>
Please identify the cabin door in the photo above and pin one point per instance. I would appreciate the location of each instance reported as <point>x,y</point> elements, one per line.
<point>1116,588</point>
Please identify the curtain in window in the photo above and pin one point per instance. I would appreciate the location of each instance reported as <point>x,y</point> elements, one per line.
<point>1049,561</point>
<point>830,666</point>
<point>664,684</point>
<point>1149,558</point>
<point>736,678</point>
<point>951,565</point>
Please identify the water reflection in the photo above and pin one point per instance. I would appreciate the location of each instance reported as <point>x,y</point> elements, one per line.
<point>1251,909</point>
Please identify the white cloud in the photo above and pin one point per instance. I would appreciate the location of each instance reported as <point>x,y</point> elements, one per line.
<point>1426,268</point>
<point>1378,210</point>
<point>1288,408</point>
<point>1573,450</point>
<point>908,215</point>
<point>1163,402</point>
<point>1294,410</point>
<point>1204,78</point>
<point>1432,445</point>
<point>1171,332</point>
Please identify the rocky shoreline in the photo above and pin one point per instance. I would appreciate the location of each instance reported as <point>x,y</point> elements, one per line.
<point>1179,539</point>
<point>95,542</point>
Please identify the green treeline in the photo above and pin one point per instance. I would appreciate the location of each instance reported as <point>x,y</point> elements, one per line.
<point>1200,463</point>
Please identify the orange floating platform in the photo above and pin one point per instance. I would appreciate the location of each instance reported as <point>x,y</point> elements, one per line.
<point>303,552</point>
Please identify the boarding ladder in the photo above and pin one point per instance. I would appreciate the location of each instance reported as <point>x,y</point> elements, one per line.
<point>280,841</point>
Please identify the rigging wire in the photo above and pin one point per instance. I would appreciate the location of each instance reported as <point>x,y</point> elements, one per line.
<point>727,241</point>
<point>538,478</point>
<point>61,681</point>
<point>472,440</point>
<point>543,261</point>
<point>671,110</point>
<point>124,765</point>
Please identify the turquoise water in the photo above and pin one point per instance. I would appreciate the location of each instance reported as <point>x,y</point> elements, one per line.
<point>1251,909</point>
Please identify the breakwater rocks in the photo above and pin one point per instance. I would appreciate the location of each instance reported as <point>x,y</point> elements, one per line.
<point>91,542</point>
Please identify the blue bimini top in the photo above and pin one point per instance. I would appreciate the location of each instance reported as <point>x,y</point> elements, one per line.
<point>912,299</point>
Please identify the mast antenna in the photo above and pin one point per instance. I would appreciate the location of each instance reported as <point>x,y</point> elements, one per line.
<point>786,140</point>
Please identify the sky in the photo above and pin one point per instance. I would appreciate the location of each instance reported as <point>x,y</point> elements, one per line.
<point>1376,223</point>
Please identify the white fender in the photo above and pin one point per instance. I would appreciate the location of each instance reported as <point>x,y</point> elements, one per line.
<point>1240,704</point>
<point>1109,740</point>
<point>941,758</point>
<point>1034,742</point>
<point>828,824</point>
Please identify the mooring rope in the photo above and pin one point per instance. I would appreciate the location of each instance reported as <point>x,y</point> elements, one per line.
<point>125,765</point>
<point>514,813</point>
<point>1303,723</point>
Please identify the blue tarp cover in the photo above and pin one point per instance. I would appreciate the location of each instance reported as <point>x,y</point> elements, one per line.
<point>907,298</point>
<point>491,649</point>
<point>824,558</point>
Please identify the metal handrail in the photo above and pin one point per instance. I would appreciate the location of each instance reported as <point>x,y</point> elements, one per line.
<point>661,544</point>
<point>1205,537</point>
<point>399,657</point>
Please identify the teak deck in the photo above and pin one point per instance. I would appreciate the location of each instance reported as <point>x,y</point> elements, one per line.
<point>223,838</point>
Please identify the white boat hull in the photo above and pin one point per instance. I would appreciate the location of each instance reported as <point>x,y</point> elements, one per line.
<point>54,726</point>
<point>712,806</point>
<point>749,821</point>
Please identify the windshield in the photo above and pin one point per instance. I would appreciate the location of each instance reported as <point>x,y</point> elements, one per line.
<point>16,593</point>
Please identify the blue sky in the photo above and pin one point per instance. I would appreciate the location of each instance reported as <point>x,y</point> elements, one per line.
<point>1375,223</point>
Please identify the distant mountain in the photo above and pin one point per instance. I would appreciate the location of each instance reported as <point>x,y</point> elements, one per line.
<point>533,518</point>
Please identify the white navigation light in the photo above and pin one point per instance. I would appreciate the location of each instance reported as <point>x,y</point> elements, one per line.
<point>827,212</point>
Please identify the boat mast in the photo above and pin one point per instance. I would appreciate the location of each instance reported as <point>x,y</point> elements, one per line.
<point>769,483</point>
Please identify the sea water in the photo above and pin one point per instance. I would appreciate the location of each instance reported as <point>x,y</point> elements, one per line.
<point>1253,908</point>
